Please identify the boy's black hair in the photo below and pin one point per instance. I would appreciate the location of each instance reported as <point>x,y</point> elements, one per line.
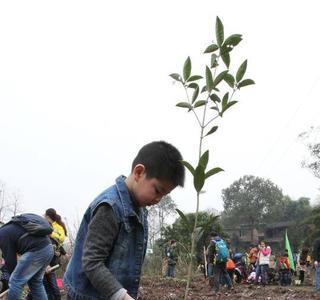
<point>161,161</point>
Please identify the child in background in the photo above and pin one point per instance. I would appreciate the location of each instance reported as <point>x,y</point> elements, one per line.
<point>284,270</point>
<point>252,277</point>
<point>263,262</point>
<point>302,264</point>
<point>230,268</point>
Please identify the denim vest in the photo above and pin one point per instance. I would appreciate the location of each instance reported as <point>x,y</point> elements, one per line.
<point>126,258</point>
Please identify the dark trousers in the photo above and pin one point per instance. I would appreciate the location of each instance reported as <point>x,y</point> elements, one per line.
<point>262,270</point>
<point>171,271</point>
<point>285,277</point>
<point>220,272</point>
<point>301,275</point>
<point>51,286</point>
<point>231,272</point>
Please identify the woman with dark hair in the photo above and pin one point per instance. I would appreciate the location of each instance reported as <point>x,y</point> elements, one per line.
<point>57,238</point>
<point>59,228</point>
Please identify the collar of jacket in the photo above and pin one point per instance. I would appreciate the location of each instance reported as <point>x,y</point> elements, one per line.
<point>129,206</point>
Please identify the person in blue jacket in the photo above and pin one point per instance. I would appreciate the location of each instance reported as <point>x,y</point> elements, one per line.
<point>35,253</point>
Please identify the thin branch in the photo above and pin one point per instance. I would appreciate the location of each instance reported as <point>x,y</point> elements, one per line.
<point>217,116</point>
<point>190,103</point>
<point>233,91</point>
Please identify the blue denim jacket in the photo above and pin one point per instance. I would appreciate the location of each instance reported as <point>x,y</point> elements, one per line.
<point>125,261</point>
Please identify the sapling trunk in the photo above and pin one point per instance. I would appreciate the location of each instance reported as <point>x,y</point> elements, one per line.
<point>193,237</point>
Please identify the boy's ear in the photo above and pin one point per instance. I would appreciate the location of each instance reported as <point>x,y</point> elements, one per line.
<point>138,171</point>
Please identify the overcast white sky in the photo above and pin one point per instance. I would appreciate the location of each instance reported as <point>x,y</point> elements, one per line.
<point>84,84</point>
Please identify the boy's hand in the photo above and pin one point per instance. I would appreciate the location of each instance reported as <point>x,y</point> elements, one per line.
<point>127,297</point>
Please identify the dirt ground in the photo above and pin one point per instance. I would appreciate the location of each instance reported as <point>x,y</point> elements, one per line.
<point>173,289</point>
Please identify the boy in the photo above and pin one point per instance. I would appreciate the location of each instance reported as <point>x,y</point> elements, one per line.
<point>112,238</point>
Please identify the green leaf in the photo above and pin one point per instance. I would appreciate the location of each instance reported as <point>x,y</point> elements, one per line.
<point>184,219</point>
<point>211,48</point>
<point>215,98</point>
<point>209,80</point>
<point>203,161</point>
<point>219,32</point>
<point>187,68</point>
<point>200,103</point>
<point>176,76</point>
<point>212,130</point>
<point>233,40</point>
<point>194,78</point>
<point>188,166</point>
<point>228,105</point>
<point>193,85</point>
<point>213,172</point>
<point>214,62</point>
<point>184,105</point>
<point>198,178</point>
<point>195,95</point>
<point>219,78</point>
<point>215,108</point>
<point>226,58</point>
<point>245,82</point>
<point>229,79</point>
<point>225,99</point>
<point>241,71</point>
<point>204,89</point>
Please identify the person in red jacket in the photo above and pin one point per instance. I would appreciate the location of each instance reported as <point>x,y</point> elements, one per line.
<point>284,270</point>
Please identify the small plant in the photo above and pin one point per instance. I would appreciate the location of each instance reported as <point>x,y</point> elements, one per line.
<point>207,102</point>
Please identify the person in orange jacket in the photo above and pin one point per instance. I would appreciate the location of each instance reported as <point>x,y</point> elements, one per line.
<point>230,268</point>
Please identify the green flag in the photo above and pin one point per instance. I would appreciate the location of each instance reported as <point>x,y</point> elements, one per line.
<point>288,248</point>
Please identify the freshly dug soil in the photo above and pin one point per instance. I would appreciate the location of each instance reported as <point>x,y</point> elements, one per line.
<point>173,289</point>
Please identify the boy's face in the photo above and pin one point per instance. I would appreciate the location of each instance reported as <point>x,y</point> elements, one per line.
<point>149,191</point>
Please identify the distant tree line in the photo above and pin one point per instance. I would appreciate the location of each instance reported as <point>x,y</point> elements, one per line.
<point>250,200</point>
